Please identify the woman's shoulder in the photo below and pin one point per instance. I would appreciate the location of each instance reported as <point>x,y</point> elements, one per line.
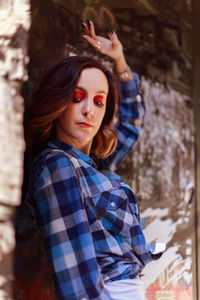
<point>51,159</point>
<point>49,154</point>
<point>52,166</point>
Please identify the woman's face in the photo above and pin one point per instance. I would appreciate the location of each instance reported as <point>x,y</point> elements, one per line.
<point>82,118</point>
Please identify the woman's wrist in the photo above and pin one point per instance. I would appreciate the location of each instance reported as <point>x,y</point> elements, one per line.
<point>121,69</point>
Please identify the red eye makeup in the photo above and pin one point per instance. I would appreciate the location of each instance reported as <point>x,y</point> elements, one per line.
<point>99,98</point>
<point>79,95</point>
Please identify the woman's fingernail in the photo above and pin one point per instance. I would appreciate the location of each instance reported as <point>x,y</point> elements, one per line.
<point>83,26</point>
<point>88,23</point>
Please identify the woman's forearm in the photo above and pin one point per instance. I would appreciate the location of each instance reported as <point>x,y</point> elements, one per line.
<point>122,69</point>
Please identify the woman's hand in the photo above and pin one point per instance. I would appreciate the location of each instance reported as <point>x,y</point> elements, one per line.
<point>111,47</point>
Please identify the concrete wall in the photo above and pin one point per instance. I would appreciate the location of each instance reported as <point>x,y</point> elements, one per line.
<point>15,21</point>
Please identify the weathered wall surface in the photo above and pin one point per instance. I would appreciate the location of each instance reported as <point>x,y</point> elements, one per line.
<point>160,170</point>
<point>14,18</point>
<point>196,95</point>
<point>156,35</point>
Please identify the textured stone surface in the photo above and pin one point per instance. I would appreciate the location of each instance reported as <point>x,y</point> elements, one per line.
<point>163,160</point>
<point>15,23</point>
<point>196,95</point>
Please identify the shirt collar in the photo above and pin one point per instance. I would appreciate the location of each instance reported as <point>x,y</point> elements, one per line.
<point>71,150</point>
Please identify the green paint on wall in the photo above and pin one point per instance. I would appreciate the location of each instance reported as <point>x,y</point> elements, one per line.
<point>148,6</point>
<point>90,2</point>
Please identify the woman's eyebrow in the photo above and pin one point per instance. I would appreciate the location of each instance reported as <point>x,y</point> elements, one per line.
<point>80,88</point>
<point>84,90</point>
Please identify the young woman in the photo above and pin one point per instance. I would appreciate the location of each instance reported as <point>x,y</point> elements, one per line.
<point>87,215</point>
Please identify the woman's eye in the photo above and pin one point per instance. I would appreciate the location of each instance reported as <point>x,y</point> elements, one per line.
<point>78,96</point>
<point>76,100</point>
<point>99,100</point>
<point>98,103</point>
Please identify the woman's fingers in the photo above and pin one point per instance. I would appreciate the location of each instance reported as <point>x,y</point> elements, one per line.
<point>113,37</point>
<point>88,29</point>
<point>85,28</point>
<point>109,46</point>
<point>92,30</point>
<point>90,40</point>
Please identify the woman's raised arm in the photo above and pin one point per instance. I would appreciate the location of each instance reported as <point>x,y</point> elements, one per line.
<point>111,47</point>
<point>131,106</point>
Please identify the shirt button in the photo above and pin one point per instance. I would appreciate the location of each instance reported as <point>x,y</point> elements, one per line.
<point>138,98</point>
<point>112,204</point>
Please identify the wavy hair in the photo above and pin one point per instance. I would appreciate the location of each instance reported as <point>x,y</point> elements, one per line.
<point>52,97</point>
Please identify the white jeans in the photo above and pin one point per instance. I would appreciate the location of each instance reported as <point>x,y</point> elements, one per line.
<point>128,289</point>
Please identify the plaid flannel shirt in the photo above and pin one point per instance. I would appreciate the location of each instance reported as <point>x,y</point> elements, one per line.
<point>88,216</point>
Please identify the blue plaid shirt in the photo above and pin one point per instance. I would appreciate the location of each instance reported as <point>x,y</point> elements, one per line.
<point>88,216</point>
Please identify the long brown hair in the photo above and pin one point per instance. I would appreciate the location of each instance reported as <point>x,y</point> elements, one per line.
<point>51,99</point>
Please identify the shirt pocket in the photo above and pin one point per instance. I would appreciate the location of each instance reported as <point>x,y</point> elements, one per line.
<point>114,211</point>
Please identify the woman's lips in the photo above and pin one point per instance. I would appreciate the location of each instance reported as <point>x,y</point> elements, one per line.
<point>85,124</point>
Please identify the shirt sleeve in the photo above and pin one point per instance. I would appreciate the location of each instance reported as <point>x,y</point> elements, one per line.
<point>130,124</point>
<point>65,231</point>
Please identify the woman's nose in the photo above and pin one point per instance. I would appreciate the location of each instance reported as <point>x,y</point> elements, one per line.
<point>88,109</point>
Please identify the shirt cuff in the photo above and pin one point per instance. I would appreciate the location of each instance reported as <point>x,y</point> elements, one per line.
<point>130,88</point>
<point>156,250</point>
